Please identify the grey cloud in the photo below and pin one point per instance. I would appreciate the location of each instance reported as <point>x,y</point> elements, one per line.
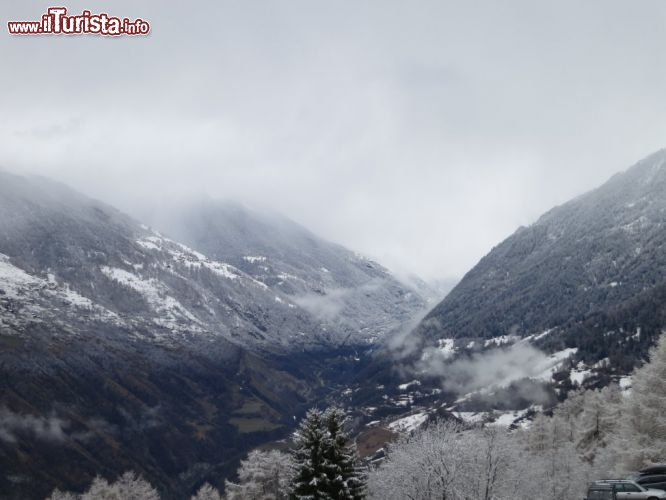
<point>420,135</point>
<point>325,307</point>
<point>12,425</point>
<point>328,304</point>
<point>52,130</point>
<point>494,368</point>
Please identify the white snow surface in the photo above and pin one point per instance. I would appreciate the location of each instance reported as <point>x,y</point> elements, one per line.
<point>253,259</point>
<point>501,340</point>
<point>37,293</point>
<point>447,347</point>
<point>190,258</point>
<point>170,313</point>
<point>409,423</point>
<point>500,419</point>
<point>404,387</point>
<point>538,336</point>
<point>550,365</point>
<point>579,374</point>
<point>625,383</point>
<point>14,281</point>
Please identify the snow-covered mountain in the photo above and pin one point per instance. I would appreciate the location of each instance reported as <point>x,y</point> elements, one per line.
<point>68,262</point>
<point>123,349</point>
<point>583,257</point>
<point>344,291</point>
<point>587,278</point>
<point>574,300</point>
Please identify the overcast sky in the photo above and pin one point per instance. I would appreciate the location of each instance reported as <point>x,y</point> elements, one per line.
<point>419,133</point>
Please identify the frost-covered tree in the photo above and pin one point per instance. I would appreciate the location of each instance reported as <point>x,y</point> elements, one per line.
<point>448,461</point>
<point>100,489</point>
<point>308,456</point>
<point>324,459</point>
<point>553,456</point>
<point>559,471</point>
<point>345,480</point>
<point>63,495</point>
<point>643,431</point>
<point>264,475</point>
<point>491,458</point>
<point>569,413</point>
<point>207,492</point>
<point>425,465</point>
<point>598,423</point>
<point>129,486</point>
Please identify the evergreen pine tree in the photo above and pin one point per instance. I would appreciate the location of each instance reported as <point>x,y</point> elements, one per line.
<point>310,481</point>
<point>344,481</point>
<point>324,459</point>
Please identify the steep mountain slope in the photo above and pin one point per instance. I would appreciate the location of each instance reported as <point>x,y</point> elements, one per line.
<point>576,299</point>
<point>343,290</point>
<point>585,257</point>
<point>67,258</point>
<point>122,349</point>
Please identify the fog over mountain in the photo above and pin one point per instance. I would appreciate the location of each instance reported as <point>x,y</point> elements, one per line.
<point>142,341</point>
<point>417,136</point>
<point>340,288</point>
<point>400,213</point>
<point>593,253</point>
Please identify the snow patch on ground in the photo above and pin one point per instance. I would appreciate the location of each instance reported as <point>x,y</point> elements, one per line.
<point>149,244</point>
<point>601,363</point>
<point>14,281</point>
<point>502,340</point>
<point>170,313</point>
<point>625,383</point>
<point>508,418</point>
<point>75,299</point>
<point>253,259</point>
<point>447,347</point>
<point>190,258</point>
<point>538,336</point>
<point>579,374</point>
<point>404,387</point>
<point>500,419</point>
<point>547,368</point>
<point>471,417</point>
<point>287,276</point>
<point>409,423</point>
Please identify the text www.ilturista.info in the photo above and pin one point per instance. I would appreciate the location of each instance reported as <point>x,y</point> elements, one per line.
<point>56,22</point>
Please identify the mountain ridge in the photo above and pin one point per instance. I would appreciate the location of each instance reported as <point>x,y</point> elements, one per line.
<point>344,290</point>
<point>561,252</point>
<point>123,349</point>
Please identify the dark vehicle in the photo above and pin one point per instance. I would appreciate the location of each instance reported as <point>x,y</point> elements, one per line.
<point>653,469</point>
<point>600,492</point>
<point>653,481</point>
<point>652,477</point>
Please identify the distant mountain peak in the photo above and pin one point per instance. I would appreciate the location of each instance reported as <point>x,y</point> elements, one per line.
<point>343,290</point>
